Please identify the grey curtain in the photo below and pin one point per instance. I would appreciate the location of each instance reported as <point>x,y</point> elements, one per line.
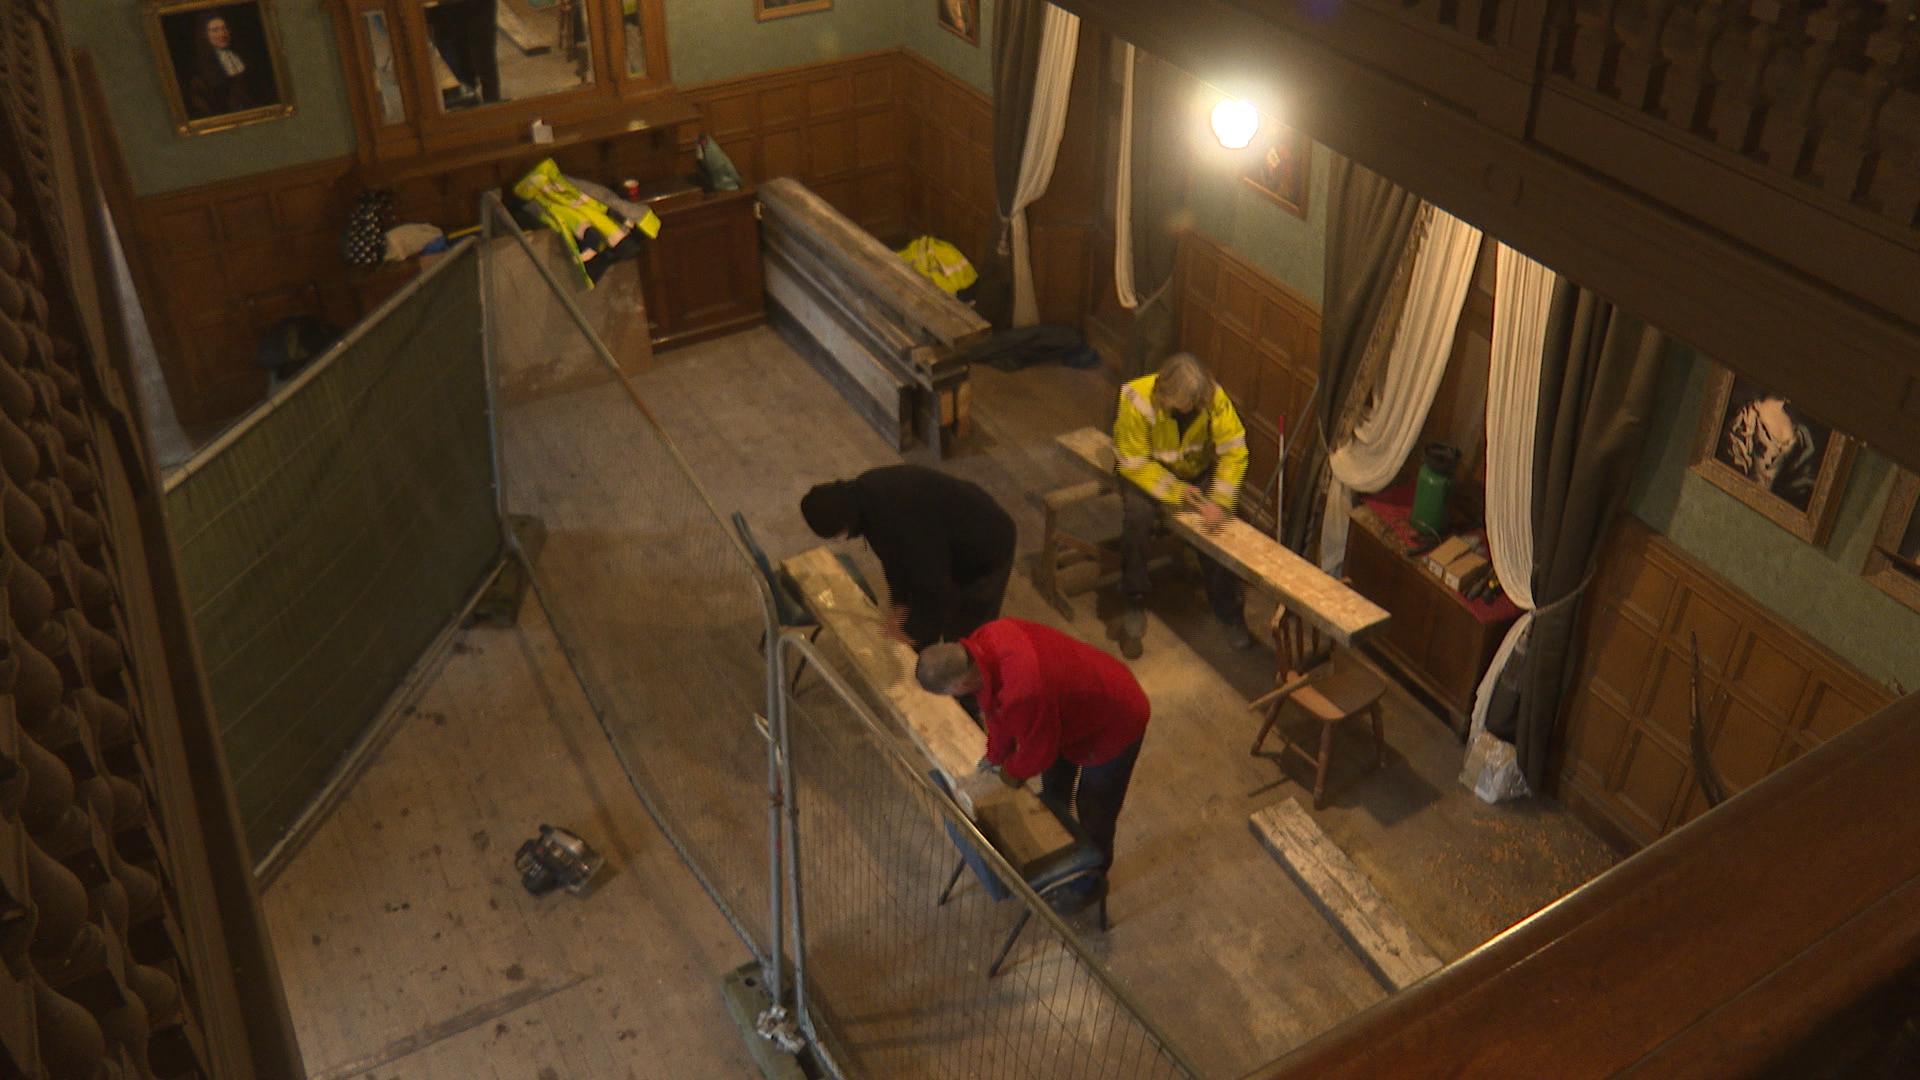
<point>1160,181</point>
<point>1597,386</point>
<point>1370,223</point>
<point>1016,60</point>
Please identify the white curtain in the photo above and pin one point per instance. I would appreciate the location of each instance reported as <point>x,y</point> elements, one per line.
<point>1123,195</point>
<point>1442,270</point>
<point>1523,292</point>
<point>1053,84</point>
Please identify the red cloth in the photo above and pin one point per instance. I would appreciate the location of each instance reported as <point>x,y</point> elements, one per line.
<point>1393,506</point>
<point>1045,696</point>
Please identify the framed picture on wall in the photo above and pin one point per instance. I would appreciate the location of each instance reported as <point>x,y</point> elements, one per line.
<point>960,17</point>
<point>780,9</point>
<point>1893,563</point>
<point>1767,452</point>
<point>220,63</point>
<point>1278,165</point>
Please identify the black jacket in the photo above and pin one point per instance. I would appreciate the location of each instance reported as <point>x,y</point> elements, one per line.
<point>935,535</point>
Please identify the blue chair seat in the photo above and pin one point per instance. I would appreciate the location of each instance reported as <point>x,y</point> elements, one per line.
<point>1079,861</point>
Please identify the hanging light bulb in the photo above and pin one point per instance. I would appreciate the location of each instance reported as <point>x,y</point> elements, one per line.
<point>1235,123</point>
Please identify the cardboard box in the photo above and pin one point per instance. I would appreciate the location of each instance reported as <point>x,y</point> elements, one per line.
<point>1466,571</point>
<point>1443,554</point>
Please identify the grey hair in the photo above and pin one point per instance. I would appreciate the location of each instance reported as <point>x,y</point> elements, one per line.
<point>1183,378</point>
<point>942,667</point>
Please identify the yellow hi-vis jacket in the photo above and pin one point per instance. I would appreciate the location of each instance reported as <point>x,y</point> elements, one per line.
<point>1151,450</point>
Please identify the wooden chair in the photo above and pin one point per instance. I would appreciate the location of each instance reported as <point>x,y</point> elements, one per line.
<point>1310,679</point>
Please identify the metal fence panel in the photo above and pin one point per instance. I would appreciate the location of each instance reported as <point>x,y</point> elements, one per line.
<point>329,537</point>
<point>895,981</point>
<point>678,686</point>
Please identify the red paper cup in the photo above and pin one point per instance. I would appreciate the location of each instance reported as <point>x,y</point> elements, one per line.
<point>632,189</point>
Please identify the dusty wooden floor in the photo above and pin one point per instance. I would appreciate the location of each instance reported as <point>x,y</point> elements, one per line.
<point>409,949</point>
<point>1209,932</point>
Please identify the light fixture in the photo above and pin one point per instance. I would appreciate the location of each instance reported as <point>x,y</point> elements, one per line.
<point>1235,123</point>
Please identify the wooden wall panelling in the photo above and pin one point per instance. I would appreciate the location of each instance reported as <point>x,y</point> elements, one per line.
<point>1768,693</point>
<point>949,151</point>
<point>1262,341</point>
<point>837,127</point>
<point>231,258</point>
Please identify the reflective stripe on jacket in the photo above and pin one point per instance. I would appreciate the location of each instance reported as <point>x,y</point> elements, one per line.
<point>1150,449</point>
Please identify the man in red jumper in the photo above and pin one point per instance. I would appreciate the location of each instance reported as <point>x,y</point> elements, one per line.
<point>1054,708</point>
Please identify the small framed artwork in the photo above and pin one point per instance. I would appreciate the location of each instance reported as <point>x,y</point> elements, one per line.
<point>780,9</point>
<point>1767,452</point>
<point>960,18</point>
<point>220,63</point>
<point>1893,563</point>
<point>1278,165</point>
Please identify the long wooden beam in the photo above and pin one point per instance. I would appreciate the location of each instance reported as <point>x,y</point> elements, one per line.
<point>1024,829</point>
<point>1256,557</point>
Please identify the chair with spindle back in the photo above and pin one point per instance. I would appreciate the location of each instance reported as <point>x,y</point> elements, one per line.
<point>1329,693</point>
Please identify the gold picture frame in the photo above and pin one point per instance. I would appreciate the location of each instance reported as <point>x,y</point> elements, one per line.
<point>961,18</point>
<point>1765,451</point>
<point>1279,165</point>
<point>1893,562</point>
<point>780,9</point>
<point>224,76</point>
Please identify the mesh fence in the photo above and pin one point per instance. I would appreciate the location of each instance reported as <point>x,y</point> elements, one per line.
<point>677,684</point>
<point>333,534</point>
<point>662,614</point>
<point>897,982</point>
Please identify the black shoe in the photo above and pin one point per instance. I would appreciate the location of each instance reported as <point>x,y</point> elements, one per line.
<point>1133,628</point>
<point>1077,897</point>
<point>1239,636</point>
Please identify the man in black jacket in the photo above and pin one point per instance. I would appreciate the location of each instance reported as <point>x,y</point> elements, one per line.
<point>945,545</point>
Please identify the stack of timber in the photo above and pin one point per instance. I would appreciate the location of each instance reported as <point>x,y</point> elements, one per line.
<point>888,339</point>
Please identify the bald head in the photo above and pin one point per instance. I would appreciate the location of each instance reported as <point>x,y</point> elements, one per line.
<point>947,669</point>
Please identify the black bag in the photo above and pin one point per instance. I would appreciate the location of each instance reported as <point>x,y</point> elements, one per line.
<point>364,244</point>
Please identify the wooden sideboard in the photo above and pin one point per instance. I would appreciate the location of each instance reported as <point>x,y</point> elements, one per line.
<point>701,276</point>
<point>1436,640</point>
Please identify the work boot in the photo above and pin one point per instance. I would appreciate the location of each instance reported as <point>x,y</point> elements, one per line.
<point>1133,627</point>
<point>1238,636</point>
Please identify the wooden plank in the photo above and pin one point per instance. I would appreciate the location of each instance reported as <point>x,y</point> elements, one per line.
<point>890,339</point>
<point>937,724</point>
<point>892,427</point>
<point>516,31</point>
<point>1023,828</point>
<point>1396,954</point>
<point>876,378</point>
<point>1258,558</point>
<point>920,303</point>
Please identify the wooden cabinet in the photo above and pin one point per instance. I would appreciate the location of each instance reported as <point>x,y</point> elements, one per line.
<point>702,273</point>
<point>1437,640</point>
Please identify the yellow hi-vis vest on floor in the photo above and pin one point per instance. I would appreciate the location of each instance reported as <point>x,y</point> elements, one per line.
<point>1152,451</point>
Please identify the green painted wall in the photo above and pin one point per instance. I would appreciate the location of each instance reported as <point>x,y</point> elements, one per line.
<point>1290,248</point>
<point>321,127</point>
<point>1818,589</point>
<point>719,39</point>
<point>921,31</point>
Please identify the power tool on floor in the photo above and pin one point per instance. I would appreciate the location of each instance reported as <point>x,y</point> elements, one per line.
<point>554,859</point>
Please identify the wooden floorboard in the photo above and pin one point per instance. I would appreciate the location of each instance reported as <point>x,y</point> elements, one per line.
<point>409,948</point>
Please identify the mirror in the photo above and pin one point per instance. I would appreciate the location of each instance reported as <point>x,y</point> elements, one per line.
<point>486,51</point>
<point>386,81</point>
<point>636,39</point>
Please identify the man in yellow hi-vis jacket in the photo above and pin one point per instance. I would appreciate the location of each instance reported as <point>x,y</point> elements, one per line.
<point>1179,444</point>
